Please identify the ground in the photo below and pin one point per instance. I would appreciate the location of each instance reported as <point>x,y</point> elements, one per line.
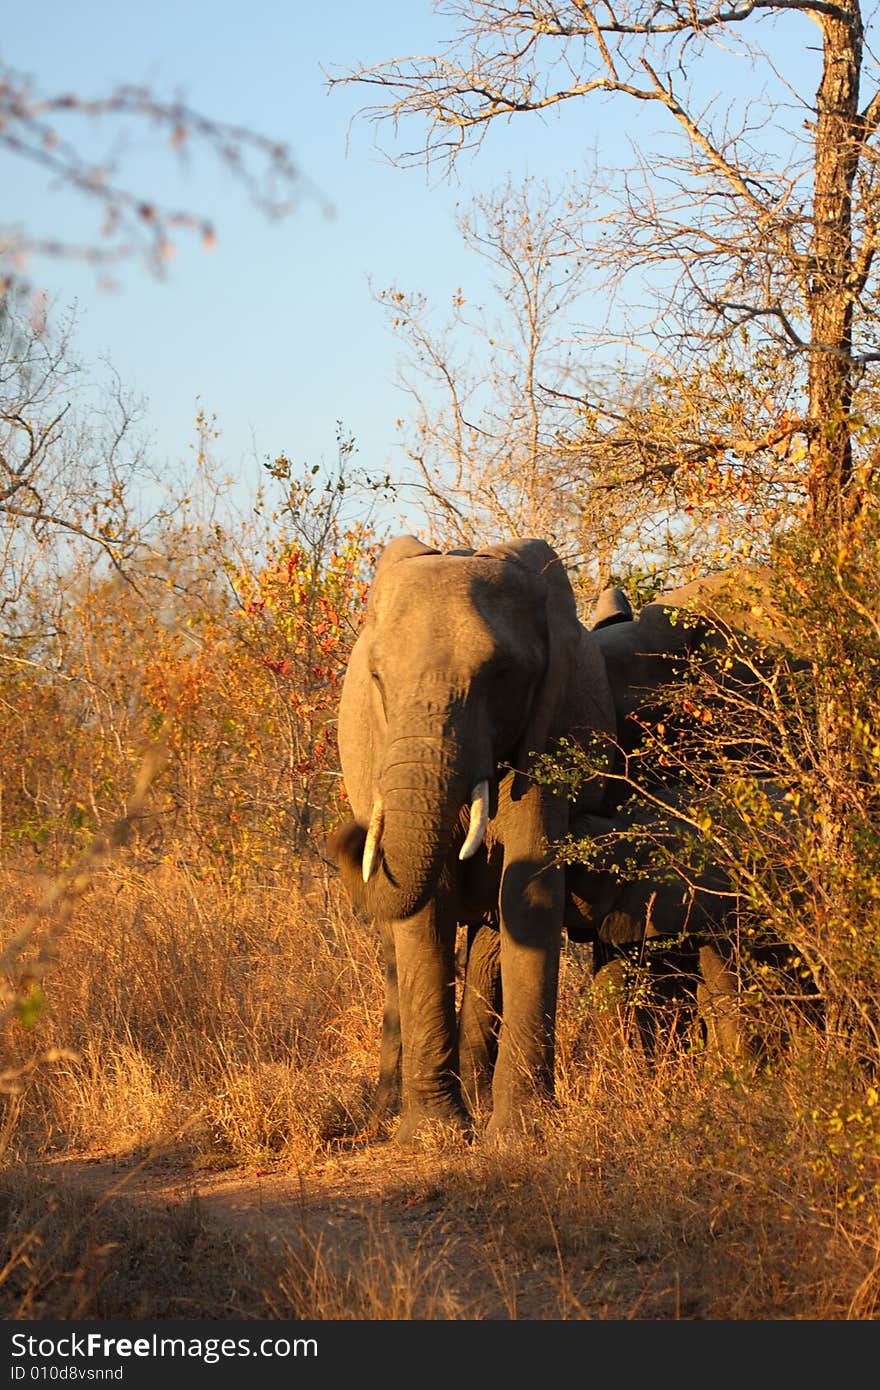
<point>375,1232</point>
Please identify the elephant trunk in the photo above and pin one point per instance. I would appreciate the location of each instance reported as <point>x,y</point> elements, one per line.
<point>427,778</point>
<point>478,819</point>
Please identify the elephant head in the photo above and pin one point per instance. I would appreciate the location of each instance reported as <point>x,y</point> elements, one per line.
<point>715,625</point>
<point>463,669</point>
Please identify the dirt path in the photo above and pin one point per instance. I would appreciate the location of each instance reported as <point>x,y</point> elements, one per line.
<point>376,1209</point>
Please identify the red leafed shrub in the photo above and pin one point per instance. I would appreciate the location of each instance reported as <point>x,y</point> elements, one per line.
<point>231,658</point>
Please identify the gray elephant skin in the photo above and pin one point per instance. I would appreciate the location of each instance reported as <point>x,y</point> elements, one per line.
<point>640,900</point>
<point>660,915</point>
<point>468,666</point>
<point>650,896</point>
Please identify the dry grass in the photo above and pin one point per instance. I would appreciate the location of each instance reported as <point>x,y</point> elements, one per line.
<point>237,1025</point>
<point>217,1027</point>
<point>67,1256</point>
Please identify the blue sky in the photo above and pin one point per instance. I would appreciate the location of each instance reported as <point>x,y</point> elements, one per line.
<point>275,329</point>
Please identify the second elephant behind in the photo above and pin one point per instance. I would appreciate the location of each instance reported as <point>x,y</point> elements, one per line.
<point>651,914</point>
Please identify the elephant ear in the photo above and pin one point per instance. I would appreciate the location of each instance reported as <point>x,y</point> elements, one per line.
<point>563,644</point>
<point>401,548</point>
<point>612,606</point>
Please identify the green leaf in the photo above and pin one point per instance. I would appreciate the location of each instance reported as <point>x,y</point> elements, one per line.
<point>28,1010</point>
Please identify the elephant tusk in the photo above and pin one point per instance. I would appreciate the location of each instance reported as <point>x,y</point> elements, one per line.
<point>374,837</point>
<point>479,817</point>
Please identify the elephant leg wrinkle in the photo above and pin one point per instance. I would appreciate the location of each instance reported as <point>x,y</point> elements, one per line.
<point>425,956</point>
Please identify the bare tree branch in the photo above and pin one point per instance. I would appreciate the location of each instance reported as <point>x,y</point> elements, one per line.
<point>42,130</point>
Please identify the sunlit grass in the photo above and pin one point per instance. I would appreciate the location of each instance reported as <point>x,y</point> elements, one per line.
<point>205,1027</point>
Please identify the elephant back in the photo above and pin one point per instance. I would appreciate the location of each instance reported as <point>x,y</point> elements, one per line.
<point>591,719</point>
<point>740,603</point>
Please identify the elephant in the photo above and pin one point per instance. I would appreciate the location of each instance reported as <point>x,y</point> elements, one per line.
<point>469,666</point>
<point>653,916</point>
<point>713,628</point>
<point>719,629</point>
<point>660,926</point>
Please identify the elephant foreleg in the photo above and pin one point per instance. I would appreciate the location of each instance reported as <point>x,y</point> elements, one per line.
<point>425,954</point>
<point>479,1017</point>
<point>532,900</point>
<point>387,1098</point>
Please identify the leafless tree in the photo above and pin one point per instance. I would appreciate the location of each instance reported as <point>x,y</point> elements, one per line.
<point>510,432</point>
<point>78,486</point>
<point>487,441</point>
<point>65,466</point>
<point>764,219</point>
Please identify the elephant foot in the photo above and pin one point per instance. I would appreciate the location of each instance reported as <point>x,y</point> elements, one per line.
<point>433,1130</point>
<point>509,1127</point>
<point>503,1134</point>
<point>386,1102</point>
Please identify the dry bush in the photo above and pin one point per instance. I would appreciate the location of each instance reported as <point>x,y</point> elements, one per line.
<point>231,1023</point>
<point>680,1188</point>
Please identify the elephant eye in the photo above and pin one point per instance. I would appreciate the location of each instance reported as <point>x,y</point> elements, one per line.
<point>377,682</point>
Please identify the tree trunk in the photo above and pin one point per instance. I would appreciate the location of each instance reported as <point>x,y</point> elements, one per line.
<point>830,293</point>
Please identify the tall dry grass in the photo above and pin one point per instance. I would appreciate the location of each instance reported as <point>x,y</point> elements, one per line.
<point>204,1026</point>
<point>232,1023</point>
